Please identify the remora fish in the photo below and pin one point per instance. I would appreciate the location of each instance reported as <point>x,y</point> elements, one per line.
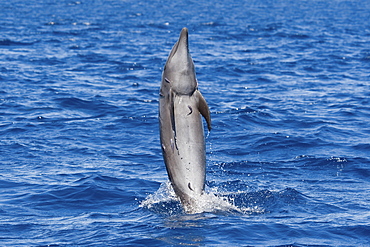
<point>181,128</point>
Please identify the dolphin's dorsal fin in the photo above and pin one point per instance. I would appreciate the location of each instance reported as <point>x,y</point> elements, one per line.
<point>204,109</point>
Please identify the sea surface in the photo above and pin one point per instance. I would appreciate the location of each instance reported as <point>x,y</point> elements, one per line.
<point>288,158</point>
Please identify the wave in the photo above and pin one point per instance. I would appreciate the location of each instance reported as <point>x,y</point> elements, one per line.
<point>94,107</point>
<point>165,202</point>
<point>8,42</point>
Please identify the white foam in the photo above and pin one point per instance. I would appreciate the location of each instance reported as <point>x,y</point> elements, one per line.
<point>165,201</point>
<point>165,193</point>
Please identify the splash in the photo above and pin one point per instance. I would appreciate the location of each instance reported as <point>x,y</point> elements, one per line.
<point>165,201</point>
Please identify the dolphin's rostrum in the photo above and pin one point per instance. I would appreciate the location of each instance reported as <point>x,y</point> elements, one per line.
<point>181,128</point>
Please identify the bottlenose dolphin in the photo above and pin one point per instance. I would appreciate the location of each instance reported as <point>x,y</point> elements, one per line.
<point>181,128</point>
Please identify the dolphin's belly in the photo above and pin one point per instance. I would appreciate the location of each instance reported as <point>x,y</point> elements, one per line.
<point>189,152</point>
<point>183,145</point>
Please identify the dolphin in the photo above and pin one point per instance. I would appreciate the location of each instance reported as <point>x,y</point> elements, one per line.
<point>181,128</point>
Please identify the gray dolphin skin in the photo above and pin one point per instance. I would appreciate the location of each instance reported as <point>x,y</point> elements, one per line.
<point>181,128</point>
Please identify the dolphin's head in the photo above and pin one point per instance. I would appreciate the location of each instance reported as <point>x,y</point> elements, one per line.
<point>179,69</point>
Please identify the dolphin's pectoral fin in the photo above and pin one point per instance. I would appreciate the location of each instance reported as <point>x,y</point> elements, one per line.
<point>172,144</point>
<point>172,115</point>
<point>172,110</point>
<point>204,109</point>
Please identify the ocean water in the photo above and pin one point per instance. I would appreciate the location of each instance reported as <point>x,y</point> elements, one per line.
<point>288,158</point>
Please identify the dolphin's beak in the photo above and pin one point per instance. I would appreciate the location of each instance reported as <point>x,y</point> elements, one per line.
<point>181,45</point>
<point>183,40</point>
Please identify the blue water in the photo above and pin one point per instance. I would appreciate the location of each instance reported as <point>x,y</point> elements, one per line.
<point>288,158</point>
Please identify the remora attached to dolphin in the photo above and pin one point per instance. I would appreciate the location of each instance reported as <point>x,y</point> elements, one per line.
<point>181,128</point>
